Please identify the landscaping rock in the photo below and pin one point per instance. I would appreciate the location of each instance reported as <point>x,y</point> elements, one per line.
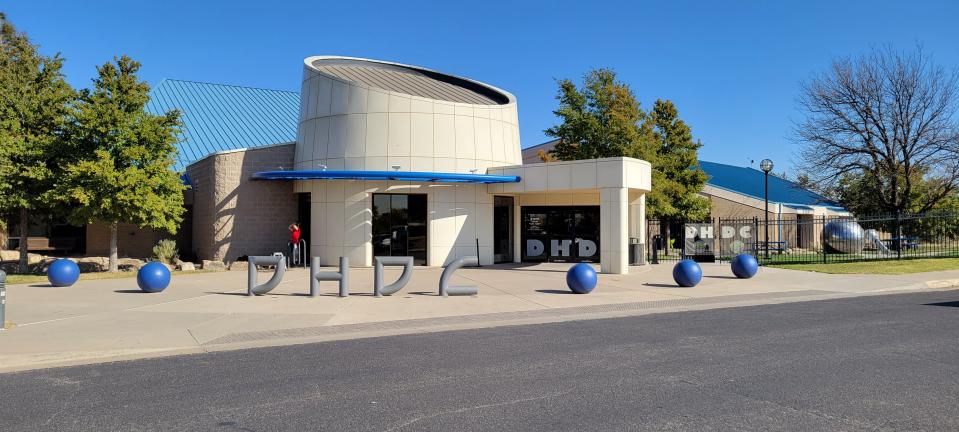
<point>214,265</point>
<point>239,265</point>
<point>93,264</point>
<point>186,266</point>
<point>130,264</point>
<point>33,258</point>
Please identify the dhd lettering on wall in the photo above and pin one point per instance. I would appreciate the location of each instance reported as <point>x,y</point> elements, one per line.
<point>561,233</point>
<point>733,237</point>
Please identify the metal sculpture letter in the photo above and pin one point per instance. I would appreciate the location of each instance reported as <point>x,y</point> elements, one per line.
<point>379,262</point>
<point>277,260</point>
<point>844,236</point>
<point>445,289</point>
<point>343,276</point>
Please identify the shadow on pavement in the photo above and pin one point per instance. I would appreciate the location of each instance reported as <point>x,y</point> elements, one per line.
<point>130,291</point>
<point>554,291</point>
<point>659,285</point>
<point>946,304</point>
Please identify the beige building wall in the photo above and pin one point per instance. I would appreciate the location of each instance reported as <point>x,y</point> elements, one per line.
<point>234,216</point>
<point>341,213</point>
<point>617,185</point>
<point>132,242</point>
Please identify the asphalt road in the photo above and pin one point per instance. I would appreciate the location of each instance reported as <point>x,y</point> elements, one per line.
<point>870,363</point>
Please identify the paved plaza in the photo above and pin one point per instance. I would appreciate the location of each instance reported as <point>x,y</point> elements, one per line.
<point>103,320</point>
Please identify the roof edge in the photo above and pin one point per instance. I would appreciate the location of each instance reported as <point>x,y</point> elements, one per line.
<point>223,152</point>
<point>308,62</point>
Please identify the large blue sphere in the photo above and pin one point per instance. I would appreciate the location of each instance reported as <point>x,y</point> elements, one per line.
<point>153,277</point>
<point>745,266</point>
<point>581,278</point>
<point>63,273</point>
<point>687,273</point>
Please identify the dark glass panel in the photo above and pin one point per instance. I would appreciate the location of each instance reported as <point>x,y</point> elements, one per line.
<point>502,229</point>
<point>382,232</point>
<point>417,243</point>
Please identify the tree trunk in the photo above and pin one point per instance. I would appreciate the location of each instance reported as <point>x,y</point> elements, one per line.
<point>24,232</point>
<point>113,247</point>
<point>3,235</point>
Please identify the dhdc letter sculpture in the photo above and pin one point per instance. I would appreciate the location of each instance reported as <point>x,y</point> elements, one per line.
<point>343,276</point>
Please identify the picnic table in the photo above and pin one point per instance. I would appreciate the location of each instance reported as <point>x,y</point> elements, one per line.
<point>906,242</point>
<point>778,246</point>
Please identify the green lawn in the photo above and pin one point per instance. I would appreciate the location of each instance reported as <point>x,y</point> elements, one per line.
<point>889,267</point>
<point>28,279</point>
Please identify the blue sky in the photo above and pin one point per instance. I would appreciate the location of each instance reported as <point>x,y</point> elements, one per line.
<point>732,67</point>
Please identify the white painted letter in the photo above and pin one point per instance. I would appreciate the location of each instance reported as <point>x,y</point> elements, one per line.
<point>534,247</point>
<point>587,248</point>
<point>559,247</point>
<point>728,232</point>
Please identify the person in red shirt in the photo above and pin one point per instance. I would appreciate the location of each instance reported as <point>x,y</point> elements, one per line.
<point>295,233</point>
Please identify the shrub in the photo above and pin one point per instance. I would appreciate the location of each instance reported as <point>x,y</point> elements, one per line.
<point>165,251</point>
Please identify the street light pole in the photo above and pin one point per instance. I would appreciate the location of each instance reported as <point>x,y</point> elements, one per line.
<point>766,165</point>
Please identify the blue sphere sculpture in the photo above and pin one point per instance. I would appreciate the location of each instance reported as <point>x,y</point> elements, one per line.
<point>745,266</point>
<point>581,278</point>
<point>63,273</point>
<point>687,273</point>
<point>153,277</point>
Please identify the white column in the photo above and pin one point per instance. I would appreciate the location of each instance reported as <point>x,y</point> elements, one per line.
<point>614,230</point>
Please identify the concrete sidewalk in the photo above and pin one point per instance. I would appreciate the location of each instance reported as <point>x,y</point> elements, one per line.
<point>107,320</point>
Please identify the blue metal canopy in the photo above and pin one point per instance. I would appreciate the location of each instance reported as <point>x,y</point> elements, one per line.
<point>430,177</point>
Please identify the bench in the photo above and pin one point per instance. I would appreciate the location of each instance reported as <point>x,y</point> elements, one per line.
<point>775,246</point>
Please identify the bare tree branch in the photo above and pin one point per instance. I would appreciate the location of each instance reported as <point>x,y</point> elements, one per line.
<point>888,114</point>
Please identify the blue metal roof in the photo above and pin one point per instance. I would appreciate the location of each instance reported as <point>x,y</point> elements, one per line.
<point>749,181</point>
<point>415,176</point>
<point>218,117</point>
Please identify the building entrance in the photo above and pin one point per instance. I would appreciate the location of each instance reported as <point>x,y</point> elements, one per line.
<point>399,226</point>
<point>502,229</point>
<point>560,234</point>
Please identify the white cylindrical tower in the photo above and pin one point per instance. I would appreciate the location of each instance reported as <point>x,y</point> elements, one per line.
<point>369,115</point>
<point>361,116</point>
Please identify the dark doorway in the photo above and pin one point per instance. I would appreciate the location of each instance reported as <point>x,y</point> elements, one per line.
<point>561,234</point>
<point>303,217</point>
<point>502,229</point>
<point>399,226</point>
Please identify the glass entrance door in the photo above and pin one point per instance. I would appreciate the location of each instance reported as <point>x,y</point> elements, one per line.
<point>560,234</point>
<point>399,226</point>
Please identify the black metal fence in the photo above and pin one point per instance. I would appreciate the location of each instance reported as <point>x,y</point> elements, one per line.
<point>806,238</point>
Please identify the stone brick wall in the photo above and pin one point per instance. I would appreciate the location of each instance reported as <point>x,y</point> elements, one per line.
<point>235,216</point>
<point>201,176</point>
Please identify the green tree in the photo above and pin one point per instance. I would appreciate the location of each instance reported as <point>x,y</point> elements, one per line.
<point>122,169</point>
<point>858,192</point>
<point>603,119</point>
<point>34,103</point>
<point>677,178</point>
